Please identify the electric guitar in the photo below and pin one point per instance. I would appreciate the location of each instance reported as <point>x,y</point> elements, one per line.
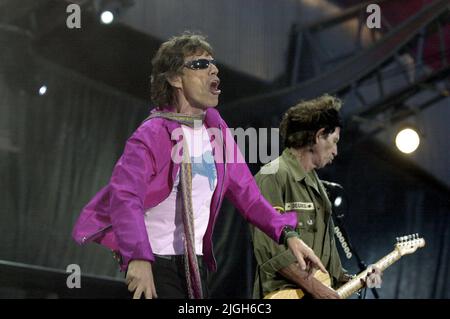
<point>405,245</point>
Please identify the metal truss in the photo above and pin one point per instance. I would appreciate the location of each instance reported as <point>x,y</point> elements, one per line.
<point>308,47</point>
<point>376,81</point>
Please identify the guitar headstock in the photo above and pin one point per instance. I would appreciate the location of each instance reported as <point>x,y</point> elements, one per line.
<point>409,244</point>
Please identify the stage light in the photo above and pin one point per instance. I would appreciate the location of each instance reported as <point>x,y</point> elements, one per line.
<point>43,90</point>
<point>407,140</point>
<point>111,10</point>
<point>107,17</point>
<point>338,201</point>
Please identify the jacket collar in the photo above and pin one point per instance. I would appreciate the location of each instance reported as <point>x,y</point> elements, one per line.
<point>297,171</point>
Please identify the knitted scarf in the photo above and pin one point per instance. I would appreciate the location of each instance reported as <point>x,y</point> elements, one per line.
<point>190,258</point>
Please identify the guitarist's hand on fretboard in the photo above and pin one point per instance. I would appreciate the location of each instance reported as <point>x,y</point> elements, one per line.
<point>373,278</point>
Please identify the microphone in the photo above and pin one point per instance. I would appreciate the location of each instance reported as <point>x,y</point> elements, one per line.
<point>331,184</point>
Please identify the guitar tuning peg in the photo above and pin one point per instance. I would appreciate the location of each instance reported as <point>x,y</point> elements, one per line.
<point>397,239</point>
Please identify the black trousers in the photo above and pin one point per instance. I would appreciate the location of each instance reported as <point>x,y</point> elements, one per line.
<point>170,278</point>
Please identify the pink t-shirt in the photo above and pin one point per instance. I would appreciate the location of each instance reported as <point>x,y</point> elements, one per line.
<point>164,224</point>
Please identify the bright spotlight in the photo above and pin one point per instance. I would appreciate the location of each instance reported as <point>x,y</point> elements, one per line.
<point>107,17</point>
<point>338,201</point>
<point>43,90</point>
<point>407,140</point>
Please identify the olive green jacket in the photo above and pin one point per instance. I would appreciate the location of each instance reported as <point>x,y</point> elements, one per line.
<point>286,185</point>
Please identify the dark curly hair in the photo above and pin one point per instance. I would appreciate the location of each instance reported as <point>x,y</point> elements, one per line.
<point>168,61</point>
<point>301,122</point>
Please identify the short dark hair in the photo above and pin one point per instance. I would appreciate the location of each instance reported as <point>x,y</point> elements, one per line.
<point>301,122</point>
<point>168,61</point>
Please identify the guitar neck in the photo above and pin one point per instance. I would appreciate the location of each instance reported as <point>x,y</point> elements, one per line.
<point>354,284</point>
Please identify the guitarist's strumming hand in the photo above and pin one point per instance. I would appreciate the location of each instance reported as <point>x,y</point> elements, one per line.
<point>306,258</point>
<point>307,283</point>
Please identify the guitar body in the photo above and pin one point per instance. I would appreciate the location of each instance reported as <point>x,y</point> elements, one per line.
<point>298,293</point>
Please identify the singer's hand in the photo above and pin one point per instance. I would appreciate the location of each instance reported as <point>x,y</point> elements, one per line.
<point>139,279</point>
<point>307,260</point>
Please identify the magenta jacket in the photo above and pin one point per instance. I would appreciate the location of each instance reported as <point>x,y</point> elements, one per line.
<point>143,177</point>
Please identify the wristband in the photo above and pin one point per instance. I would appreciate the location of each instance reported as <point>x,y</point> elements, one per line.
<point>286,233</point>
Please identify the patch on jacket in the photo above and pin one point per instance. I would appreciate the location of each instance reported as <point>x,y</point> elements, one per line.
<point>299,205</point>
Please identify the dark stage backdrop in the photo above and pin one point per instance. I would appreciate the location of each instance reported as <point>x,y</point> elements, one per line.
<point>59,149</point>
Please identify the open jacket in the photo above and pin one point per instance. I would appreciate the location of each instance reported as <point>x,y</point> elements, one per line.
<point>143,177</point>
